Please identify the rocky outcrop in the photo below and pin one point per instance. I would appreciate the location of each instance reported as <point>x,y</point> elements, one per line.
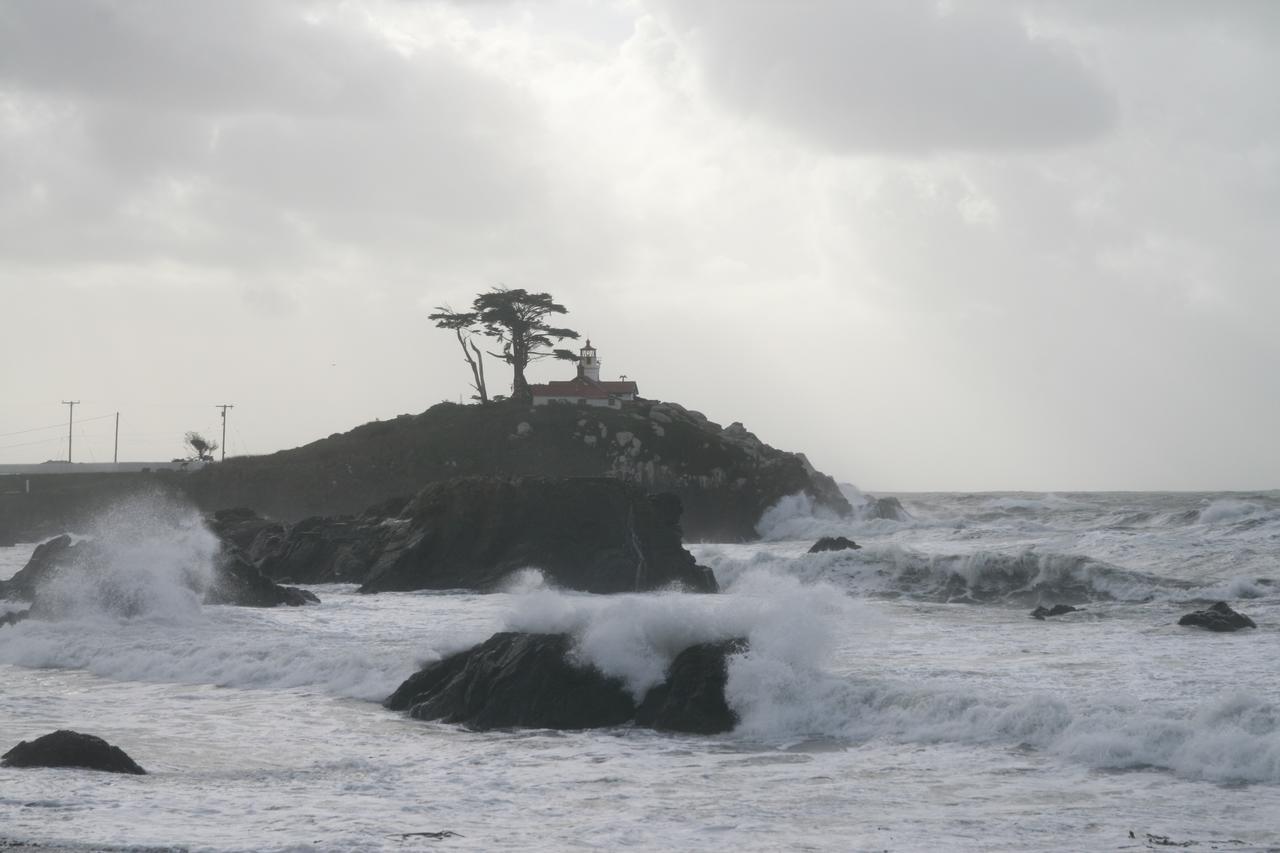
<point>1217,617</point>
<point>834,543</point>
<point>887,508</point>
<point>65,748</point>
<point>692,698</point>
<point>724,476</point>
<point>1043,612</point>
<point>594,534</point>
<point>235,581</point>
<point>515,680</point>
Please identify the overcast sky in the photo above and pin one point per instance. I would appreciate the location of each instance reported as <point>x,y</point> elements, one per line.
<point>934,245</point>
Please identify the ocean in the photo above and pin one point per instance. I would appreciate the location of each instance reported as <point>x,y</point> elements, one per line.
<point>897,697</point>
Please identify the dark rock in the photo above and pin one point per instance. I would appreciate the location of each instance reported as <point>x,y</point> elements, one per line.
<point>1057,610</point>
<point>329,550</point>
<point>834,543</point>
<point>531,680</point>
<point>65,748</point>
<point>886,508</point>
<point>244,529</point>
<point>692,698</point>
<point>45,560</point>
<point>515,680</point>
<point>1218,617</point>
<point>594,534</point>
<point>240,583</point>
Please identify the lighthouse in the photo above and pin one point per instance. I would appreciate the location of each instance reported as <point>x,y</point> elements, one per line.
<point>589,363</point>
<point>586,389</point>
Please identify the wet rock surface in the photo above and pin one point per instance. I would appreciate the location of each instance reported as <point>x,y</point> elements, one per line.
<point>517,680</point>
<point>1217,617</point>
<point>1057,610</point>
<point>65,748</point>
<point>834,543</point>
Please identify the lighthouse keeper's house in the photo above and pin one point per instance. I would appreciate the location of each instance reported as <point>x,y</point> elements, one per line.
<point>586,389</point>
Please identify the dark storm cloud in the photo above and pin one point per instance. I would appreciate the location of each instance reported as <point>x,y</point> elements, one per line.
<point>895,75</point>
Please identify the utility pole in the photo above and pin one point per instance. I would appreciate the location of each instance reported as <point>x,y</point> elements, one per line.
<point>71,419</point>
<point>115,454</point>
<point>224,407</point>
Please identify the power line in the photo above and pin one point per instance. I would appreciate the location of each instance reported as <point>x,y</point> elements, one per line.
<point>51,426</point>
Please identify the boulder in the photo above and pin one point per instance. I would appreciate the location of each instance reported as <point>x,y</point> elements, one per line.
<point>692,698</point>
<point>1057,610</point>
<point>515,680</point>
<point>532,680</point>
<point>595,534</point>
<point>834,543</point>
<point>1217,617</point>
<point>65,748</point>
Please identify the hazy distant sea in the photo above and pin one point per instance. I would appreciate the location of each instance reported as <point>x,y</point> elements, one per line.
<point>894,698</point>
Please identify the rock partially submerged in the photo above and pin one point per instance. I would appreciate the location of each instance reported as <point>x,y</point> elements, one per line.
<point>235,580</point>
<point>834,543</point>
<point>65,748</point>
<point>516,680</point>
<point>1217,617</point>
<point>1043,612</point>
<point>595,534</point>
<point>692,698</point>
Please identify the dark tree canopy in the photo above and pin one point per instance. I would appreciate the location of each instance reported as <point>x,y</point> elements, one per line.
<point>517,319</point>
<point>201,448</point>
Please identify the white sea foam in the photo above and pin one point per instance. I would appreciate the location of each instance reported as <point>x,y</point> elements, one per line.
<point>635,637</point>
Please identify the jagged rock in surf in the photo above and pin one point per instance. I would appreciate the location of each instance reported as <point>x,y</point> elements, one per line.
<point>692,698</point>
<point>44,561</point>
<point>725,477</point>
<point>1043,612</point>
<point>834,543</point>
<point>65,748</point>
<point>240,583</point>
<point>886,508</point>
<point>1217,617</point>
<point>236,581</point>
<point>595,534</point>
<point>515,680</point>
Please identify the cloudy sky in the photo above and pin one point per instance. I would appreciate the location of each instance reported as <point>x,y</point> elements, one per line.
<point>935,245</point>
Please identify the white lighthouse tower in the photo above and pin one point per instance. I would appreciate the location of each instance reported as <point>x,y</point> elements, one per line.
<point>588,363</point>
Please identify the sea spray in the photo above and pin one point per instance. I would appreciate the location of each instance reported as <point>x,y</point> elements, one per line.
<point>635,637</point>
<point>148,556</point>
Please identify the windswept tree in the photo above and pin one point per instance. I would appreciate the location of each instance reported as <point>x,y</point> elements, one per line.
<point>517,319</point>
<point>463,324</point>
<point>201,448</point>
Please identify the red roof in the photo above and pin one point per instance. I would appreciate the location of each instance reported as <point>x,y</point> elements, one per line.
<point>584,388</point>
